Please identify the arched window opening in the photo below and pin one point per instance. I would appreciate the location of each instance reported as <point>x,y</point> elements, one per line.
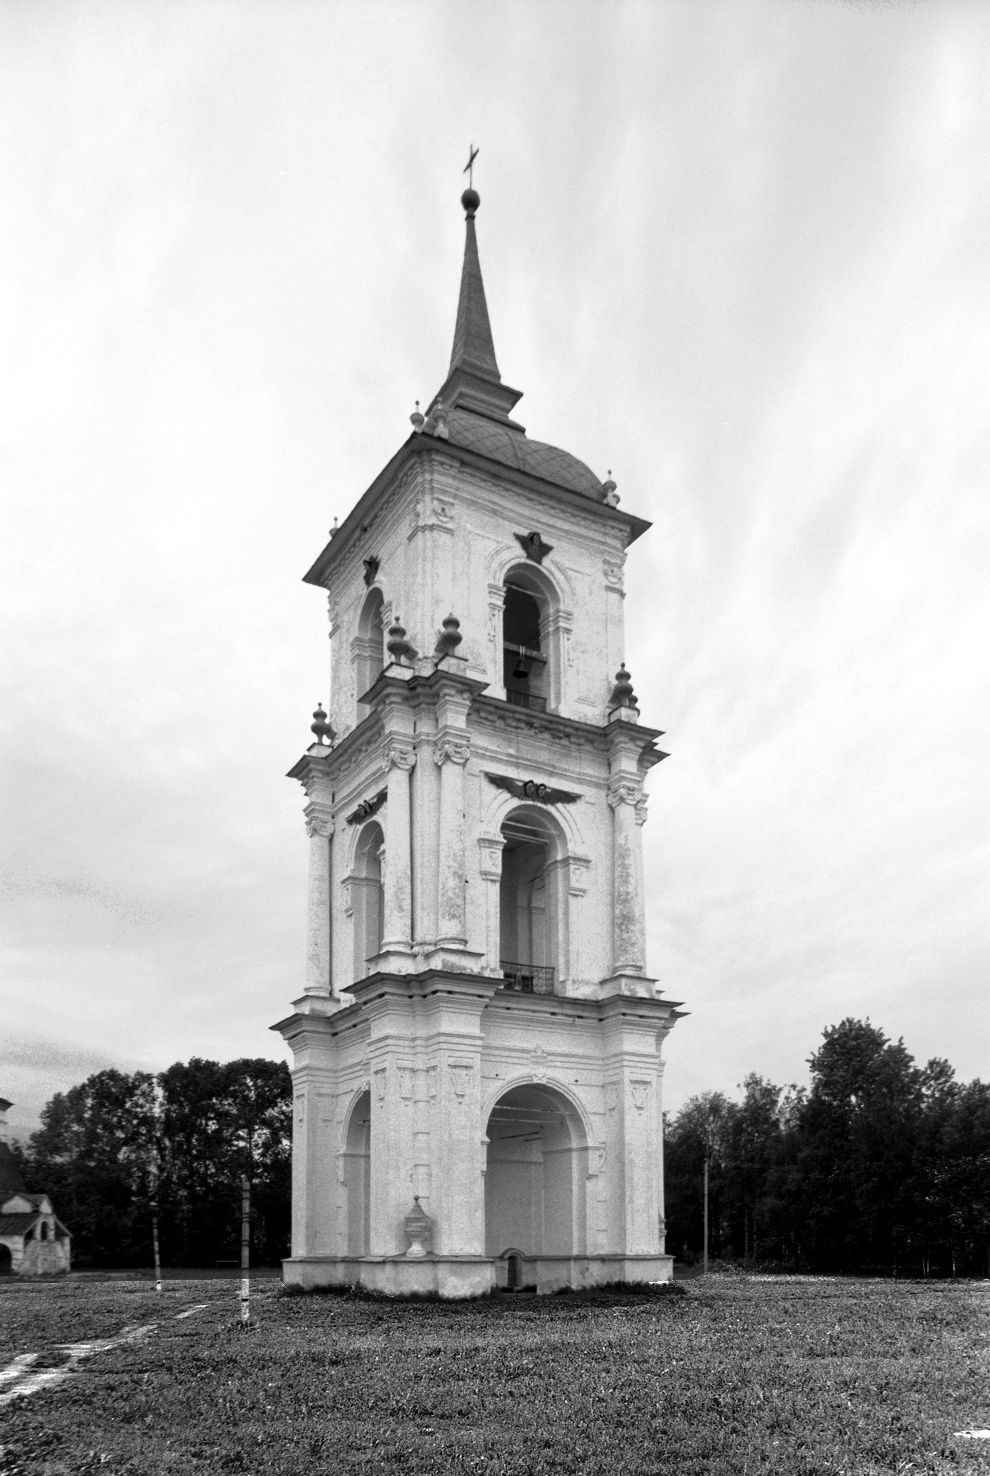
<point>527,910</point>
<point>368,646</point>
<point>368,897</point>
<point>44,1230</point>
<point>524,633</point>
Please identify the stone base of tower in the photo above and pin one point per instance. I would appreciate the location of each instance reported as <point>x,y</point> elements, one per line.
<point>453,1278</point>
<point>449,1277</point>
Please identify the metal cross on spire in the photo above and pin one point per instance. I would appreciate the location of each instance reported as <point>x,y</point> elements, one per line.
<point>469,166</point>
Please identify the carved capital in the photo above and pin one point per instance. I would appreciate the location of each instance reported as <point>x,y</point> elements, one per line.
<point>453,750</point>
<point>319,819</point>
<point>400,755</point>
<point>624,792</point>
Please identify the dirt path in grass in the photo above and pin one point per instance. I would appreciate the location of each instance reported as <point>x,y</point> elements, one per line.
<point>23,1376</point>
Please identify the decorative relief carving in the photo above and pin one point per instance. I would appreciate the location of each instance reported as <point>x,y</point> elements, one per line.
<point>460,1080</point>
<point>538,1061</point>
<point>532,789</point>
<point>407,1077</point>
<point>611,1096</point>
<point>300,1112</point>
<point>580,866</point>
<point>612,569</point>
<point>533,546</point>
<point>347,901</point>
<point>491,856</point>
<point>431,512</point>
<point>454,750</point>
<point>640,1093</point>
<point>380,1075</point>
<point>367,808</point>
<point>642,805</point>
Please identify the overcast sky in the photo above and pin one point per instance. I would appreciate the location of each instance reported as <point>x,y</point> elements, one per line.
<point>739,254</point>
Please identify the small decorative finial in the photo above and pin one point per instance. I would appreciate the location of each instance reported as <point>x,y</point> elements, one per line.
<point>470,198</point>
<point>608,489</point>
<point>397,646</point>
<point>334,528</point>
<point>622,693</point>
<point>418,419</point>
<point>449,637</point>
<point>320,726</point>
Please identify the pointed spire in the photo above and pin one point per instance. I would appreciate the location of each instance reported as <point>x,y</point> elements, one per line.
<point>473,347</point>
<point>473,380</point>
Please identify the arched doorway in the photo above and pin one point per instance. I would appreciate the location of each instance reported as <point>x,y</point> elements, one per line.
<point>536,1166</point>
<point>6,1259</point>
<point>357,1175</point>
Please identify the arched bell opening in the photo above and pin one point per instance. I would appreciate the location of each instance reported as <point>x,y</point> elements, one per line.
<point>530,665</point>
<point>367,897</point>
<point>536,1162</point>
<point>357,1176</point>
<point>532,903</point>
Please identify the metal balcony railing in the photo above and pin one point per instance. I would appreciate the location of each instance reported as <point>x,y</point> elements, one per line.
<point>525,699</point>
<point>527,978</point>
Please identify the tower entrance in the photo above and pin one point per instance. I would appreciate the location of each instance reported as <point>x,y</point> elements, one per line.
<point>534,1182</point>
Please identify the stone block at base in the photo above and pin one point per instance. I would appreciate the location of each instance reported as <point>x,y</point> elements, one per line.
<point>548,1274</point>
<point>312,1272</point>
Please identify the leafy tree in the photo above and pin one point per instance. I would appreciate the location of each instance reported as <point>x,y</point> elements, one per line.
<point>93,1155</point>
<point>115,1143</point>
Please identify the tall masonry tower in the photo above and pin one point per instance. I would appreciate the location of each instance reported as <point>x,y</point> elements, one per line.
<point>477,1052</point>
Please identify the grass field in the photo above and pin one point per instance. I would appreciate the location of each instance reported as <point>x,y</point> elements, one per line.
<point>738,1375</point>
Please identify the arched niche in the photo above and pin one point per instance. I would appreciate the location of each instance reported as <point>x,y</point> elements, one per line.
<point>368,645</point>
<point>357,1175</point>
<point>367,896</point>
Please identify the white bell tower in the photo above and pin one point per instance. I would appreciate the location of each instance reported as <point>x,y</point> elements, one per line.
<point>477,1049</point>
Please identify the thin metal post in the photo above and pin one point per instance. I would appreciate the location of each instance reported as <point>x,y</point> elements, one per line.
<point>704,1256</point>
<point>245,1248</point>
<point>154,1240</point>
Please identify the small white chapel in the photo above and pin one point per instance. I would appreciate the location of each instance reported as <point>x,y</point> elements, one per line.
<point>478,1046</point>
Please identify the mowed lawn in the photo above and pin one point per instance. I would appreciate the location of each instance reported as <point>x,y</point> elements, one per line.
<point>738,1375</point>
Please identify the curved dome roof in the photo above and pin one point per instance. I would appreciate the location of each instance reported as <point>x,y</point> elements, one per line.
<point>513,448</point>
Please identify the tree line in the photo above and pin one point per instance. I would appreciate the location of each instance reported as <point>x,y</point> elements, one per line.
<point>117,1149</point>
<point>880,1166</point>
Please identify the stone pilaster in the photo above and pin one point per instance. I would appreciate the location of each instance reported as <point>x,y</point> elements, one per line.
<point>451,754</point>
<point>625,794</point>
<point>397,879</point>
